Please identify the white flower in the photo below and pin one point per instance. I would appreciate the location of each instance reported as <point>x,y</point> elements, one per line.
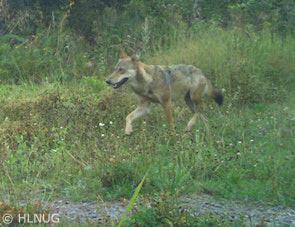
<point>101,124</point>
<point>111,122</point>
<point>102,135</point>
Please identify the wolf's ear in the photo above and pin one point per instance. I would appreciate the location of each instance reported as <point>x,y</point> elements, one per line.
<point>122,54</point>
<point>136,56</point>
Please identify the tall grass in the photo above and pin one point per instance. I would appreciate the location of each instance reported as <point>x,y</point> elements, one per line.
<point>239,60</point>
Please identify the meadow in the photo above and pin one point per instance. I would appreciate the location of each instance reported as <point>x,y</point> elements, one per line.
<point>61,126</point>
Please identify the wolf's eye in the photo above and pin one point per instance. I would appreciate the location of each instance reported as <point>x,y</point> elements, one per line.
<point>120,69</point>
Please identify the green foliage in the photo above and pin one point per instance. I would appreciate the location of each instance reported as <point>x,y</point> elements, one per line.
<point>57,55</point>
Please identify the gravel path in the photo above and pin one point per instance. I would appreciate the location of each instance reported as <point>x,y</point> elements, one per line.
<point>197,204</point>
<point>255,214</point>
<point>86,209</point>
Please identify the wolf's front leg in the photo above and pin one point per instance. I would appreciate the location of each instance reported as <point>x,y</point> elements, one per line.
<point>142,109</point>
<point>168,112</point>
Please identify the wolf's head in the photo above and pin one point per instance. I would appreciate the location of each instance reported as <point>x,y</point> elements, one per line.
<point>125,69</point>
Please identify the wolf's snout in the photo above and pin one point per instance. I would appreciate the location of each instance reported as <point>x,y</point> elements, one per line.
<point>108,82</point>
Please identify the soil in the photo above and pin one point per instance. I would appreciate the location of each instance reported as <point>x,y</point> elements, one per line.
<point>257,213</point>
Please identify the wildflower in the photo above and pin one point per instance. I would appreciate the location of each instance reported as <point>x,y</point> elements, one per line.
<point>251,141</point>
<point>102,135</point>
<point>89,64</point>
<point>111,122</point>
<point>240,142</point>
<point>101,124</point>
<point>61,127</point>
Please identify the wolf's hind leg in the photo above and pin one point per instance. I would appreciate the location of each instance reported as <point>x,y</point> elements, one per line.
<point>192,122</point>
<point>142,109</point>
<point>206,123</point>
<point>189,102</point>
<point>194,101</point>
<point>196,116</point>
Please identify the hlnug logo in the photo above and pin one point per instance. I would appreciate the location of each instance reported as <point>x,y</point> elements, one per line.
<point>31,218</point>
<point>38,218</point>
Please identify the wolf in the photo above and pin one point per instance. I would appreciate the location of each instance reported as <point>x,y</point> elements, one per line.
<point>162,84</point>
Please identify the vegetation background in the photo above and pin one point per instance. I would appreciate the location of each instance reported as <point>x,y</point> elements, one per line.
<point>61,126</point>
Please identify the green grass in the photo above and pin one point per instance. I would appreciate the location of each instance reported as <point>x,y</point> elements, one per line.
<point>65,139</point>
<point>75,140</point>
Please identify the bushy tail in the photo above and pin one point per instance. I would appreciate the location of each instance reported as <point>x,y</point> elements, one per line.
<point>218,97</point>
<point>216,94</point>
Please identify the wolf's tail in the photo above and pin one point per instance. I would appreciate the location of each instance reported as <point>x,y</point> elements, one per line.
<point>215,94</point>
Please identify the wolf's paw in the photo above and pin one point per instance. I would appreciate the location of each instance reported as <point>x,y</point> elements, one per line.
<point>128,133</point>
<point>128,130</point>
<point>187,130</point>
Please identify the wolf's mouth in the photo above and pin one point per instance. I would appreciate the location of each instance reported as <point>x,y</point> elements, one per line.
<point>120,83</point>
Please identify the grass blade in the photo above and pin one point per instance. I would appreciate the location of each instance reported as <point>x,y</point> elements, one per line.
<point>134,197</point>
